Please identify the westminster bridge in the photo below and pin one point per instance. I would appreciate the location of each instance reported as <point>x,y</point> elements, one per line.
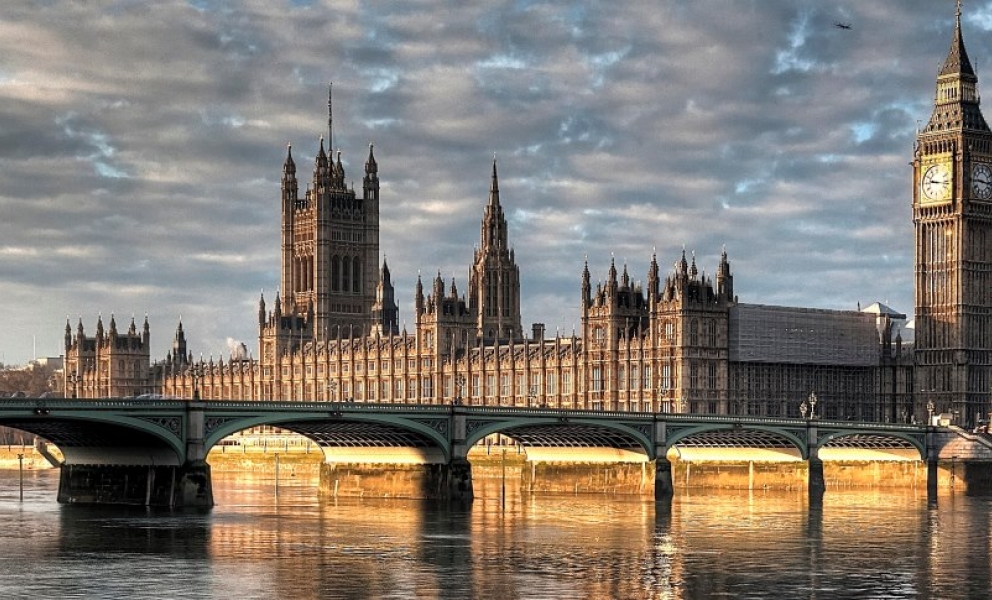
<point>154,452</point>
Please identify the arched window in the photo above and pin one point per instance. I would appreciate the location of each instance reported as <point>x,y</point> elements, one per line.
<point>336,273</point>
<point>356,276</point>
<point>345,274</point>
<point>694,332</point>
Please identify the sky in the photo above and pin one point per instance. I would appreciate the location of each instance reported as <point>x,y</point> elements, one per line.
<point>141,147</point>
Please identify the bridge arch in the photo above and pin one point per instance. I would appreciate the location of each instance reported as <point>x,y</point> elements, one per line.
<point>87,437</point>
<point>356,429</point>
<point>876,440</point>
<point>748,435</point>
<point>567,432</point>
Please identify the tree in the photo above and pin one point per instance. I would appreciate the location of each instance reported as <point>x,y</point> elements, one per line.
<point>33,380</point>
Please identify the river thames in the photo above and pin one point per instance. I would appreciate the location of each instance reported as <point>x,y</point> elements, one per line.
<point>257,544</point>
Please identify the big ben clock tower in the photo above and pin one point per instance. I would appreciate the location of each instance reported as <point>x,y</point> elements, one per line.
<point>952,217</point>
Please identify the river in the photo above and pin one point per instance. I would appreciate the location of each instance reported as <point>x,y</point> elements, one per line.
<point>257,544</point>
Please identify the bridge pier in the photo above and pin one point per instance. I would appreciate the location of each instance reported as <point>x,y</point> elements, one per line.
<point>816,484</point>
<point>932,468</point>
<point>183,486</point>
<point>460,480</point>
<point>664,488</point>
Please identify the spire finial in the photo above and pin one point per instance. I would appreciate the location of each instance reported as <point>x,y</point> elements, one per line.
<point>330,115</point>
<point>494,187</point>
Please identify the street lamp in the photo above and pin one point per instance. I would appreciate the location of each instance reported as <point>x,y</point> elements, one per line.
<point>329,390</point>
<point>196,373</point>
<point>459,388</point>
<point>812,405</point>
<point>929,412</point>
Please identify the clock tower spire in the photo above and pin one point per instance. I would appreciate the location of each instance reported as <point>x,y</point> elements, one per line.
<point>952,218</point>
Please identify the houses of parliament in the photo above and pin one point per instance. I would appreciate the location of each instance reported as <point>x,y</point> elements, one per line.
<point>683,342</point>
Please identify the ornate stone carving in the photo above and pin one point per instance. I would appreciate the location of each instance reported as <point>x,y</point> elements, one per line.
<point>173,425</point>
<point>438,425</point>
<point>212,424</point>
<point>472,425</point>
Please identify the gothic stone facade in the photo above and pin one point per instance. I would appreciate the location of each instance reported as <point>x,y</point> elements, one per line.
<point>679,345</point>
<point>682,344</point>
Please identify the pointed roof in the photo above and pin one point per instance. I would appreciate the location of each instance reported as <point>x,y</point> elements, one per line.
<point>956,102</point>
<point>957,62</point>
<point>370,164</point>
<point>878,308</point>
<point>289,165</point>
<point>494,187</point>
<point>321,155</point>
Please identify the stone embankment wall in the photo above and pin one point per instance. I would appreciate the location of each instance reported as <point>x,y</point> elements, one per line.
<point>750,475</point>
<point>223,459</point>
<point>33,460</point>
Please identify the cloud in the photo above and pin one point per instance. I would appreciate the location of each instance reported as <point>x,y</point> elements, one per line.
<point>141,146</point>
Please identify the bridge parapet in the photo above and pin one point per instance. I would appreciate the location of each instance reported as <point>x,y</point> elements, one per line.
<point>956,443</point>
<point>445,432</point>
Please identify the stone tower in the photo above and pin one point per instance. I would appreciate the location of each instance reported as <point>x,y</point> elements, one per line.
<point>494,279</point>
<point>952,217</point>
<point>385,312</point>
<point>330,247</point>
<point>110,364</point>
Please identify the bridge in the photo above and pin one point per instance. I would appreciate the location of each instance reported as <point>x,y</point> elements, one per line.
<point>153,452</point>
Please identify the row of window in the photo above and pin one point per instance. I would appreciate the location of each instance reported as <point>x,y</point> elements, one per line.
<point>704,332</point>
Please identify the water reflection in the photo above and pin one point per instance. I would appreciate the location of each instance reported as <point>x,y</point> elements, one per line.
<point>256,544</point>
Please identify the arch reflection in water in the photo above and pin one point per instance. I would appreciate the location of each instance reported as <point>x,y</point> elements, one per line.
<point>256,545</point>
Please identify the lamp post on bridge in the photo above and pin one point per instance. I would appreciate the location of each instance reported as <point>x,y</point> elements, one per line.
<point>459,388</point>
<point>196,373</point>
<point>664,402</point>
<point>808,406</point>
<point>329,390</point>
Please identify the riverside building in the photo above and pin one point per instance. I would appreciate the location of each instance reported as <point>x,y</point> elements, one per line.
<point>681,343</point>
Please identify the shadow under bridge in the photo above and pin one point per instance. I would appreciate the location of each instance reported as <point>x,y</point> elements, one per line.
<point>363,438</point>
<point>571,440</point>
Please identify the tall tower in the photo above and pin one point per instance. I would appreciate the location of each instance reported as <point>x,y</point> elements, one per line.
<point>330,246</point>
<point>494,279</point>
<point>952,217</point>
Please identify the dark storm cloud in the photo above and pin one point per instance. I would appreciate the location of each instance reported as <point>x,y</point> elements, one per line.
<point>141,146</point>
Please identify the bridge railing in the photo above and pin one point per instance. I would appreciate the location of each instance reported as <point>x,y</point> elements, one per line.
<point>436,409</point>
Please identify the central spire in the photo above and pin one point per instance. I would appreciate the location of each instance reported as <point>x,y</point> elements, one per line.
<point>494,279</point>
<point>494,186</point>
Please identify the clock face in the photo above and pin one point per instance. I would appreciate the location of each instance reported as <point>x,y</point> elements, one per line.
<point>981,181</point>
<point>936,184</point>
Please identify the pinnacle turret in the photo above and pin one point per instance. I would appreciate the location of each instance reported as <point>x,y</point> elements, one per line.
<point>957,62</point>
<point>494,187</point>
<point>956,99</point>
<point>371,167</point>
<point>289,167</point>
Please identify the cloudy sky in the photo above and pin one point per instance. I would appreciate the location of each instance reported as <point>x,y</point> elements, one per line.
<point>141,146</point>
